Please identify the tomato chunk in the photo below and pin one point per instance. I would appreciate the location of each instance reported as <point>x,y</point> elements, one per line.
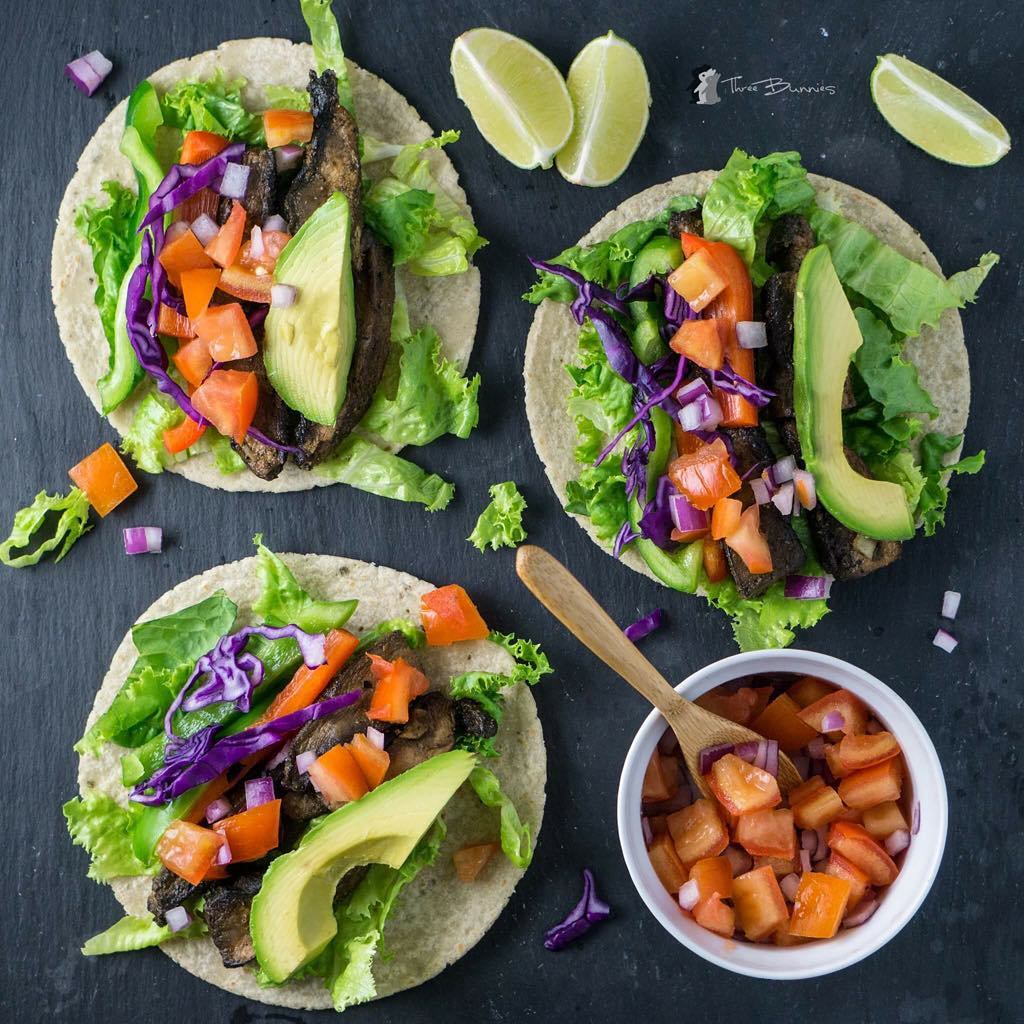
<point>759,903</point>
<point>188,850</point>
<point>697,832</point>
<point>848,705</point>
<point>856,752</point>
<point>883,819</point>
<point>840,867</point>
<point>253,833</point>
<point>705,475</point>
<point>198,286</point>
<point>855,844</point>
<point>184,435</point>
<point>807,689</point>
<point>725,517</point>
<point>713,876</point>
<point>819,905</point>
<point>661,779</point>
<point>698,279</point>
<point>667,866</point>
<point>197,147</point>
<point>749,543</point>
<point>448,616</point>
<point>818,809</point>
<point>870,786</point>
<point>227,398</point>
<point>273,245</point>
<point>373,762</point>
<point>390,701</point>
<point>471,860</point>
<point>193,361</point>
<point>700,341</point>
<point>715,567</point>
<point>183,253</point>
<point>337,776</point>
<point>282,127</point>
<point>767,834</point>
<point>716,916</point>
<point>740,706</point>
<point>223,247</point>
<point>805,789</point>
<point>104,478</point>
<point>226,332</point>
<point>741,787</point>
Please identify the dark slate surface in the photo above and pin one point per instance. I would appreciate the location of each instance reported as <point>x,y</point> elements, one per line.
<point>958,961</point>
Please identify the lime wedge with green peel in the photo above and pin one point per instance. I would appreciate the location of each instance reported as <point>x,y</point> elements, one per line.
<point>929,112</point>
<point>517,97</point>
<point>609,89</point>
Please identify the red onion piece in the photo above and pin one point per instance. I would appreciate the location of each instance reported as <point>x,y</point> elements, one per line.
<point>805,860</point>
<point>258,791</point>
<point>689,894</point>
<point>808,588</point>
<point>224,853</point>
<point>771,760</point>
<point>740,860</point>
<point>217,809</point>
<point>143,540</point>
<point>816,748</point>
<point>833,721</point>
<point>275,222</point>
<point>897,842</point>
<point>88,71</point>
<point>782,471</point>
<point>782,499</point>
<point>867,906</point>
<point>692,391</point>
<point>746,751</point>
<point>287,157</point>
<point>760,491</point>
<point>950,604</point>
<point>789,886</point>
<point>808,839</point>
<point>204,227</point>
<point>648,832</point>
<point>709,755</point>
<point>823,850</point>
<point>376,737</point>
<point>234,181</point>
<point>915,819</point>
<point>945,641</point>
<point>684,516</point>
<point>283,295</point>
<point>805,489</point>
<point>256,247</point>
<point>176,230</point>
<point>304,760</point>
<point>281,755</point>
<point>751,334</point>
<point>177,918</point>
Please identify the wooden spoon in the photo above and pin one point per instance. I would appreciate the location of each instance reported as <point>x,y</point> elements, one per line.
<point>569,601</point>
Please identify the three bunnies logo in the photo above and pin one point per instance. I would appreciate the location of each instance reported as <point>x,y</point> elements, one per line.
<point>706,90</point>
<point>707,80</point>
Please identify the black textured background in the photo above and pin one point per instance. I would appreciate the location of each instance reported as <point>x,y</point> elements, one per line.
<point>959,960</point>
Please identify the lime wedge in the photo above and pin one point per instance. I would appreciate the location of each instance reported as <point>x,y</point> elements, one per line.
<point>929,112</point>
<point>517,97</point>
<point>609,89</point>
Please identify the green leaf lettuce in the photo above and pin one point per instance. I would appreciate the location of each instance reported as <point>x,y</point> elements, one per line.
<point>501,522</point>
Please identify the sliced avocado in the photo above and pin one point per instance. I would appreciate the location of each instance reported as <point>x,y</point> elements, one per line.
<point>659,256</point>
<point>308,346</point>
<point>825,338</point>
<point>292,917</point>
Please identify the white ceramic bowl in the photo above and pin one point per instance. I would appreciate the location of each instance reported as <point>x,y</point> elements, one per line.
<point>898,902</point>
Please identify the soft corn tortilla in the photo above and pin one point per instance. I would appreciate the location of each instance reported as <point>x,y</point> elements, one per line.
<point>449,304</point>
<point>939,355</point>
<point>438,918</point>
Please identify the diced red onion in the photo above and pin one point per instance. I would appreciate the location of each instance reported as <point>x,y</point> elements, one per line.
<point>823,848</point>
<point>873,727</point>
<point>782,499</point>
<point>281,755</point>
<point>287,157</point>
<point>804,481</point>
<point>751,334</point>
<point>143,540</point>
<point>771,759</point>
<point>805,860</point>
<point>234,181</point>
<point>740,860</point>
<point>915,819</point>
<point>256,247</point>
<point>789,886</point>
<point>709,755</point>
<point>816,748</point>
<point>376,737</point>
<point>224,853</point>
<point>645,825</point>
<point>867,546</point>
<point>782,471</point>
<point>304,760</point>
<point>945,641</point>
<point>176,230</point>
<point>746,751</point>
<point>692,391</point>
<point>283,295</point>
<point>275,222</point>
<point>808,840</point>
<point>868,905</point>
<point>762,495</point>
<point>689,894</point>
<point>204,227</point>
<point>897,842</point>
<point>258,791</point>
<point>703,413</point>
<point>950,604</point>
<point>177,918</point>
<point>808,588</point>
<point>217,809</point>
<point>832,721</point>
<point>684,516</point>
<point>669,742</point>
<point>88,71</point>
<point>802,764</point>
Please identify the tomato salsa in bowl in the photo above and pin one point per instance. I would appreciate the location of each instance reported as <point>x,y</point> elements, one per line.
<point>796,885</point>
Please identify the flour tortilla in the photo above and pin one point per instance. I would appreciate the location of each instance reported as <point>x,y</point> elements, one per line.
<point>939,355</point>
<point>438,918</point>
<point>449,304</point>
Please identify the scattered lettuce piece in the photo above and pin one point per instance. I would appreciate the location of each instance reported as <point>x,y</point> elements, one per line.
<point>965,283</point>
<point>501,523</point>
<point>414,635</point>
<point>72,510</point>
<point>423,395</point>
<point>516,840</point>
<point>103,828</point>
<point>327,50</point>
<point>935,494</point>
<point>144,439</point>
<point>363,465</point>
<point>214,105</point>
<point>283,602</point>
<point>132,933</point>
<point>284,97</point>
<point>890,380</point>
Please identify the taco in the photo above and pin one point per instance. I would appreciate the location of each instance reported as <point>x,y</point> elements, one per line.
<point>277,785</point>
<point>750,383</point>
<point>311,249</point>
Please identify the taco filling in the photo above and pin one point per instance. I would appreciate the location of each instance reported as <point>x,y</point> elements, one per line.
<point>283,781</point>
<point>746,418</point>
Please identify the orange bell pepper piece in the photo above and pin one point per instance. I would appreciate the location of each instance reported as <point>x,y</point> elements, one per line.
<point>684,439</point>
<point>748,542</point>
<point>698,279</point>
<point>819,905</point>
<point>226,332</point>
<point>840,867</point>
<point>183,253</point>
<point>244,283</point>
<point>284,126</point>
<point>701,341</point>
<point>104,478</point>
<point>223,248</point>
<point>373,762</point>
<point>779,721</point>
<point>188,850</point>
<point>715,567</point>
<point>471,860</point>
<point>173,324</point>
<point>725,517</point>
<point>252,834</point>
<point>193,361</point>
<point>337,776</point>
<point>705,475</point>
<point>198,286</point>
<point>198,147</point>
<point>390,701</point>
<point>184,435</point>
<point>227,398</point>
<point>713,876</point>
<point>448,616</point>
<point>805,789</point>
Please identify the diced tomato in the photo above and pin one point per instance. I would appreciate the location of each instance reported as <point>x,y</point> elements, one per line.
<point>855,844</point>
<point>713,876</point>
<point>716,916</point>
<point>173,324</point>
<point>705,475</point>
<point>749,543</point>
<point>685,440</point>
<point>380,668</point>
<point>471,860</point>
<point>856,752</point>
<point>667,866</point>
<point>842,702</point>
<point>807,689</point>
<point>198,147</point>
<point>779,722</point>
<point>741,787</point>
<point>767,834</point>
<point>308,683</point>
<point>817,809</point>
<point>226,332</point>
<point>284,126</point>
<point>448,616</point>
<point>193,361</point>
<point>198,286</point>
<point>840,867</point>
<point>715,567</point>
<point>884,819</point>
<point>248,285</point>
<point>804,790</point>
<point>819,905</point>
<point>700,341</point>
<point>871,786</point>
<point>697,832</point>
<point>688,536</point>
<point>273,245</point>
<point>183,253</point>
<point>759,903</point>
<point>224,246</point>
<point>337,777</point>
<point>725,517</point>
<point>390,701</point>
<point>780,866</point>
<point>104,478</point>
<point>373,762</point>
<point>698,279</point>
<point>783,937</point>
<point>835,766</point>
<point>227,398</point>
<point>188,850</point>
<point>739,707</point>
<point>252,834</point>
<point>184,435</point>
<point>661,779</point>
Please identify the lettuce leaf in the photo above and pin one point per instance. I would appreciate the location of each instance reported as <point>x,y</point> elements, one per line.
<point>72,510</point>
<point>327,51</point>
<point>890,380</point>
<point>283,602</point>
<point>214,105</point>
<point>132,933</point>
<point>413,634</point>
<point>599,394</point>
<point>501,522</point>
<point>909,294</point>
<point>363,465</point>
<point>599,493</point>
<point>423,395</point>
<point>144,439</point>
<point>516,839</point>
<point>103,828</point>
<point>284,97</point>
<point>931,507</point>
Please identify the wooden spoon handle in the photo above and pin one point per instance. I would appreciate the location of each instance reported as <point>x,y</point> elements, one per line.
<point>572,604</point>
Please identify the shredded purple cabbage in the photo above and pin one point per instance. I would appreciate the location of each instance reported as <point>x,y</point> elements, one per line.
<point>645,625</point>
<point>183,181</point>
<point>626,535</point>
<point>589,911</point>
<point>656,522</point>
<point>729,380</point>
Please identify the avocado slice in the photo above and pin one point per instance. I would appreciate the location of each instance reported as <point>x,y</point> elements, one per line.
<point>308,346</point>
<point>292,917</point>
<point>826,336</point>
